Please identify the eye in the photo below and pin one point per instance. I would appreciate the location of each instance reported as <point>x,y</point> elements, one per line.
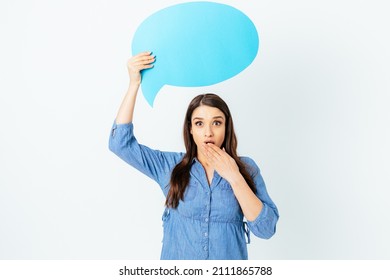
<point>217,123</point>
<point>198,123</point>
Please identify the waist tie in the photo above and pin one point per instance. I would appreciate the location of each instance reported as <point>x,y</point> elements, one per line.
<point>247,232</point>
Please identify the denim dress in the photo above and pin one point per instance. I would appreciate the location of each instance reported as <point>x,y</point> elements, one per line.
<point>208,223</point>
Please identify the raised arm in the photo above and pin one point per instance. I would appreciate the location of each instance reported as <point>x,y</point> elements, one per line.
<point>135,65</point>
<point>153,163</point>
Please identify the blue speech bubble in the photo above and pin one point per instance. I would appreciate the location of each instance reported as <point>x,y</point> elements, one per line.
<point>196,44</point>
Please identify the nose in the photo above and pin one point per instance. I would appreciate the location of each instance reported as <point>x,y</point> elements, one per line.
<point>208,132</point>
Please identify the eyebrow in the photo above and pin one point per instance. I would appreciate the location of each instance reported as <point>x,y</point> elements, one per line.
<point>216,117</point>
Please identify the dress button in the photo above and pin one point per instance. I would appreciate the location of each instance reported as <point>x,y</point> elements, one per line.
<point>206,220</point>
<point>206,234</point>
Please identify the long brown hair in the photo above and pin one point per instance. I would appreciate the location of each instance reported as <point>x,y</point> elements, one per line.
<point>180,176</point>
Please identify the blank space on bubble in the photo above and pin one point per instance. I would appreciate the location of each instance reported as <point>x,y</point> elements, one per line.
<point>196,44</point>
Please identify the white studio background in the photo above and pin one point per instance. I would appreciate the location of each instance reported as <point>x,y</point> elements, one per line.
<point>312,110</point>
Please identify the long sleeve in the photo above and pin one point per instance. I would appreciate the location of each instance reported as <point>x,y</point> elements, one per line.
<point>264,226</point>
<point>153,163</point>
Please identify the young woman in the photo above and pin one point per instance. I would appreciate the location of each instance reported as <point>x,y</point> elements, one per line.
<point>208,189</point>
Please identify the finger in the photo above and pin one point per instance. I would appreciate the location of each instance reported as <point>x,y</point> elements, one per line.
<point>139,69</point>
<point>139,62</point>
<point>143,66</point>
<point>145,53</point>
<point>210,152</point>
<point>144,59</point>
<point>141,59</point>
<point>205,150</point>
<point>224,152</point>
<point>138,66</point>
<point>218,153</point>
<point>215,149</point>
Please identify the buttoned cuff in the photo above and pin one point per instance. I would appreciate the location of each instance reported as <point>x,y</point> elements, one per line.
<point>262,216</point>
<point>264,225</point>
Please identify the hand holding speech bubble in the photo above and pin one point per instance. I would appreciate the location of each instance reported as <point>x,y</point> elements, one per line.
<point>196,44</point>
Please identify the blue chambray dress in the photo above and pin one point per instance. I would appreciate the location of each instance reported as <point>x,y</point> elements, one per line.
<point>208,223</point>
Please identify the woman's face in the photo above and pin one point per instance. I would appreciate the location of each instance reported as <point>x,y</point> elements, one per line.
<point>208,126</point>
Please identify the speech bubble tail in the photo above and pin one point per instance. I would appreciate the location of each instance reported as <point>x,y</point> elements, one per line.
<point>150,91</point>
